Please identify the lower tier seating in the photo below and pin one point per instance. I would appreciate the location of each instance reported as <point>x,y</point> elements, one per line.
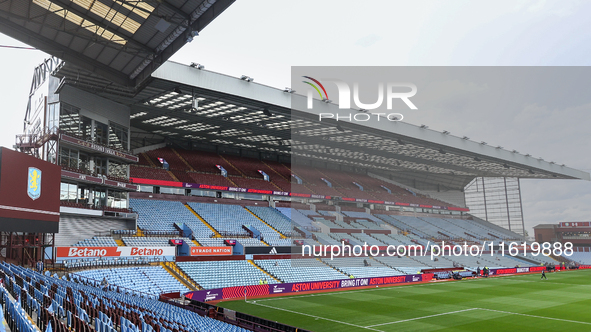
<point>156,314</point>
<point>146,279</point>
<point>300,270</point>
<point>218,274</point>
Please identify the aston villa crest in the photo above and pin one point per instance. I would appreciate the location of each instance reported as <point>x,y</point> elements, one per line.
<point>34,184</point>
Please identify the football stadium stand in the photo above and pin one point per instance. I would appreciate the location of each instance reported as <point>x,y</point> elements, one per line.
<point>143,241</point>
<point>218,274</point>
<point>146,279</point>
<point>361,267</point>
<point>97,241</point>
<point>110,310</point>
<point>232,220</point>
<point>274,218</point>
<point>580,257</point>
<point>300,270</point>
<point>201,167</point>
<point>155,215</point>
<point>74,229</point>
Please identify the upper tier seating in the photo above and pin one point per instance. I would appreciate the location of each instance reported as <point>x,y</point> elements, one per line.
<point>161,215</point>
<point>396,223</point>
<point>371,241</point>
<point>168,154</point>
<point>200,167</point>
<point>325,239</point>
<point>249,167</point>
<point>425,227</point>
<point>143,172</point>
<point>281,169</point>
<point>216,180</point>
<point>207,161</point>
<point>297,217</point>
<point>229,219</point>
<point>362,215</point>
<point>274,218</point>
<point>253,183</point>
<point>495,229</point>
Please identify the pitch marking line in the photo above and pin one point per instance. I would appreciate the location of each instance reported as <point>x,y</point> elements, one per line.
<point>417,318</point>
<point>535,316</point>
<point>470,309</point>
<point>317,317</point>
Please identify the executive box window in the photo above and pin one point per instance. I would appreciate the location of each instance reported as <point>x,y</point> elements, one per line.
<point>85,128</point>
<point>100,166</point>
<point>68,158</point>
<point>68,192</point>
<point>118,137</point>
<point>53,117</point>
<point>101,133</point>
<point>117,199</point>
<point>84,162</point>
<point>69,120</point>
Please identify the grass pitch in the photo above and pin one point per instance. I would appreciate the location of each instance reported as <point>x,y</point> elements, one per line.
<point>512,303</point>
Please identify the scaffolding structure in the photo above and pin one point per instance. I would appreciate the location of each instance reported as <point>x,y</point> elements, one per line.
<point>498,201</point>
<point>25,249</point>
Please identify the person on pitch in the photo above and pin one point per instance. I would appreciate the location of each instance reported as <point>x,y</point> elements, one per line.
<point>543,275</point>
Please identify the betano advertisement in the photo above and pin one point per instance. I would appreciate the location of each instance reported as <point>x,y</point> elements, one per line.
<point>93,252</point>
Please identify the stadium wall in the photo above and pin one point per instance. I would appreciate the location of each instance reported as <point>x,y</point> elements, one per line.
<point>29,193</point>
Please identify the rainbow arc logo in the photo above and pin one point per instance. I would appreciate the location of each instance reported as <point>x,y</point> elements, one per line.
<point>316,87</point>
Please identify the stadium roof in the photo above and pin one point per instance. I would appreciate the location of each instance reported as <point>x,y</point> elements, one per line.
<point>121,40</point>
<point>237,113</point>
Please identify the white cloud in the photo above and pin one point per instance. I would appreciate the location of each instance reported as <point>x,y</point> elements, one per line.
<point>368,40</point>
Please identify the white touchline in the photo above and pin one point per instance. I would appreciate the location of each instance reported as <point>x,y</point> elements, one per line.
<point>417,318</point>
<point>317,317</point>
<point>534,316</point>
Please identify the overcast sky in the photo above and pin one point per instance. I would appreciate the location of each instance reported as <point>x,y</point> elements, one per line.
<point>263,39</point>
